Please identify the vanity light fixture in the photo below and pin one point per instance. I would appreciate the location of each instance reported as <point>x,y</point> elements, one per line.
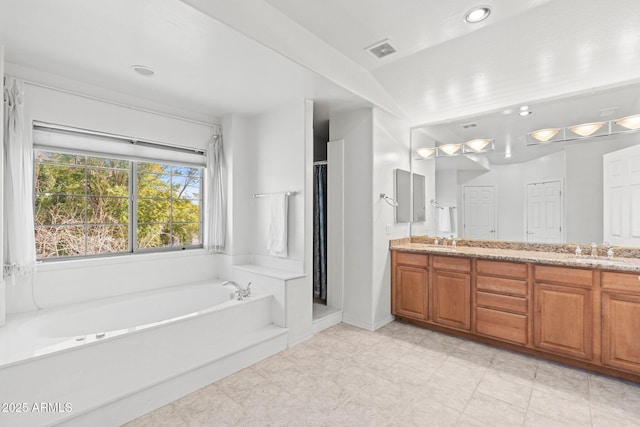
<point>586,129</point>
<point>544,135</point>
<point>477,14</point>
<point>479,145</point>
<point>629,122</point>
<point>426,152</point>
<point>450,149</point>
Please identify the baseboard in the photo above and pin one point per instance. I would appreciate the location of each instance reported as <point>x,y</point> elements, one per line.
<point>383,322</point>
<point>326,322</point>
<point>357,323</point>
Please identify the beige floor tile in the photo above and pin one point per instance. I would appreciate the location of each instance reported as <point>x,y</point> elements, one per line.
<point>403,375</point>
<point>501,386</point>
<point>562,378</point>
<point>426,414</point>
<point>165,416</point>
<point>493,412</point>
<point>560,406</point>
<point>535,419</point>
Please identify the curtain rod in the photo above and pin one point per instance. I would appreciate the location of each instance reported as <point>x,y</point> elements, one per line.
<point>38,125</point>
<point>321,162</point>
<point>122,104</point>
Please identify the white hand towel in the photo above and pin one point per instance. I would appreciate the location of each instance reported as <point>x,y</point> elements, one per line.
<point>444,219</point>
<point>277,242</point>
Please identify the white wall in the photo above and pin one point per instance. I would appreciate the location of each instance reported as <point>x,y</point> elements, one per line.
<point>391,144</point>
<point>277,143</point>
<point>64,282</point>
<point>375,143</point>
<point>3,305</point>
<point>356,129</point>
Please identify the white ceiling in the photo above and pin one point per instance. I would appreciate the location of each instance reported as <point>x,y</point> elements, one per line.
<point>201,64</point>
<point>215,57</point>
<point>351,26</point>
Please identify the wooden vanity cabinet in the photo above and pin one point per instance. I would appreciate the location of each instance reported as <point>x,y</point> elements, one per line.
<point>451,292</point>
<point>621,321</point>
<point>562,318</point>
<point>502,306</point>
<point>585,317</point>
<point>411,290</point>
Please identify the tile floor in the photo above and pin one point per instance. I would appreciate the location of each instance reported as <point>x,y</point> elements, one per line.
<point>402,375</point>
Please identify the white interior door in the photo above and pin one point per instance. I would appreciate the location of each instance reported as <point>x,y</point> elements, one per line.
<point>544,212</point>
<point>621,196</point>
<point>479,212</point>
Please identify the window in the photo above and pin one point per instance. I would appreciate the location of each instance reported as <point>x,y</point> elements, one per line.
<point>89,205</point>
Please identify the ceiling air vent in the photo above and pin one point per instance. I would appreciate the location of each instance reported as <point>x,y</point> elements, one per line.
<point>469,125</point>
<point>382,49</point>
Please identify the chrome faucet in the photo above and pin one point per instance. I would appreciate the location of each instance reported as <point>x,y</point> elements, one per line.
<point>594,250</point>
<point>241,292</point>
<point>609,250</point>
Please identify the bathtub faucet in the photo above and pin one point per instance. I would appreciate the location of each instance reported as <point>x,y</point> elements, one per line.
<point>241,292</point>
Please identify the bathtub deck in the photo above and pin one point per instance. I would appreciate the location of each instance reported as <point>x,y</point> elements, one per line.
<point>118,378</point>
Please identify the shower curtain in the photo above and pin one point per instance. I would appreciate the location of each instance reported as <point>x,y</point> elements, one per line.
<point>320,232</point>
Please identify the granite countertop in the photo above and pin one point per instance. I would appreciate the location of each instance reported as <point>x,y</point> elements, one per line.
<point>553,258</point>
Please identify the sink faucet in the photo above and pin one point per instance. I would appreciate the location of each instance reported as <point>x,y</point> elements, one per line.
<point>594,250</point>
<point>241,292</point>
<point>609,250</point>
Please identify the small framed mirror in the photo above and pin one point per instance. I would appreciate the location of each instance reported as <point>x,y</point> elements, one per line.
<point>403,195</point>
<point>419,198</point>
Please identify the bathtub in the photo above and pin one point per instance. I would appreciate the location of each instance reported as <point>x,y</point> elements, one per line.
<point>111,360</point>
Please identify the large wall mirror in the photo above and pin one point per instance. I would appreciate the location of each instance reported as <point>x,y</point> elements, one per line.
<point>527,189</point>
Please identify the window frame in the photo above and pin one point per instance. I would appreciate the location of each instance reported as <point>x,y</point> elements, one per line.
<point>132,198</point>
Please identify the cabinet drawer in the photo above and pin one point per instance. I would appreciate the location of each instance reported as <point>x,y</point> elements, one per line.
<point>452,263</point>
<point>569,276</point>
<point>504,269</point>
<point>503,286</point>
<point>502,302</point>
<point>503,326</point>
<point>408,258</point>
<point>621,281</point>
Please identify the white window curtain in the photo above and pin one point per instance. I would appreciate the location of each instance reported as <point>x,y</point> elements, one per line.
<point>19,239</point>
<point>216,207</point>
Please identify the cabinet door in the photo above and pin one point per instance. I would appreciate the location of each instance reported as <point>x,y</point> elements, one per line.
<point>621,331</point>
<point>451,295</point>
<point>562,320</point>
<point>411,292</point>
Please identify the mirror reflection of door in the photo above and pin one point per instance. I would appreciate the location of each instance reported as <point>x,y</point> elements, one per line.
<point>621,210</point>
<point>479,212</point>
<point>544,212</point>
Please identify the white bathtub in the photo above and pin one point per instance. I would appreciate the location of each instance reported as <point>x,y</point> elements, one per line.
<point>117,358</point>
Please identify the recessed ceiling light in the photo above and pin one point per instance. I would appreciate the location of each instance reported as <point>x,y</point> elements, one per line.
<point>507,154</point>
<point>525,113</point>
<point>143,70</point>
<point>524,108</point>
<point>477,14</point>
